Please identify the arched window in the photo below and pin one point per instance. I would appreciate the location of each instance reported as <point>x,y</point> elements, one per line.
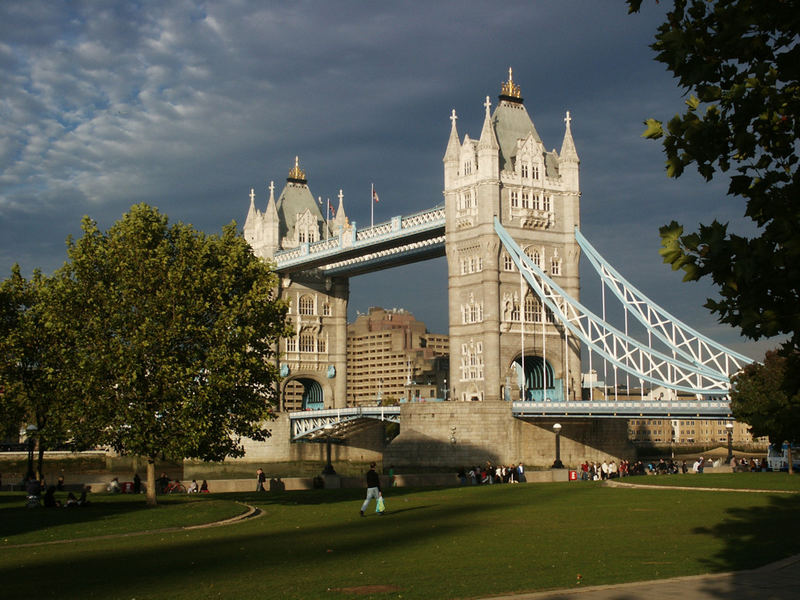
<point>306,305</point>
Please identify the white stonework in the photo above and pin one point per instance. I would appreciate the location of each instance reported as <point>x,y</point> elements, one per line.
<point>509,174</point>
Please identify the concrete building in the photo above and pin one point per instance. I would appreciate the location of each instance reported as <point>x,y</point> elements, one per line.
<point>392,357</point>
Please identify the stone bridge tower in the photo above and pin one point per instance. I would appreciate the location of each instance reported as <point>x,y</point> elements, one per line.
<point>508,173</point>
<point>313,361</point>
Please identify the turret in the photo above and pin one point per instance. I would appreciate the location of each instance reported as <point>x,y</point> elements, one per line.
<point>488,148</point>
<point>568,162</point>
<point>452,154</point>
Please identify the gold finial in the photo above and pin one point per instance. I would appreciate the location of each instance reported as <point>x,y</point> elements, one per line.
<point>509,88</point>
<point>297,174</point>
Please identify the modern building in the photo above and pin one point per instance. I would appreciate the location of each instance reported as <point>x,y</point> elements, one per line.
<point>391,358</point>
<point>687,431</point>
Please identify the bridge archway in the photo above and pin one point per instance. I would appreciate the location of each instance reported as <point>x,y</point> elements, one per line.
<point>303,393</point>
<point>537,380</point>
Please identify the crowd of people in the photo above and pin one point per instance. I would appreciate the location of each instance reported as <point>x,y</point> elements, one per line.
<point>490,474</point>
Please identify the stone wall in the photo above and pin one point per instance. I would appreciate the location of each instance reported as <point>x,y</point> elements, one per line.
<point>362,446</point>
<point>453,434</point>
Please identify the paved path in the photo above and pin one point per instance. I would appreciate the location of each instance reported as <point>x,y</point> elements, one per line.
<point>777,581</point>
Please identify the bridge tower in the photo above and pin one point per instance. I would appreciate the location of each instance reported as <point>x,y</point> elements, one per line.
<point>508,173</point>
<point>313,360</point>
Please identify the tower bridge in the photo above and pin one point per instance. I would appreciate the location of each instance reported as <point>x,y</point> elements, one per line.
<point>510,229</point>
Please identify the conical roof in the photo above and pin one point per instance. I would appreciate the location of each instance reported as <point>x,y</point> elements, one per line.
<point>294,200</point>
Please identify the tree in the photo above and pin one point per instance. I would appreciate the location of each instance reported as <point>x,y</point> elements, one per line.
<point>739,61</point>
<point>169,339</point>
<point>758,398</point>
<point>29,362</point>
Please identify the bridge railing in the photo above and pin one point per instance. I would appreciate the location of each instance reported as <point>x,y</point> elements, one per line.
<point>695,409</point>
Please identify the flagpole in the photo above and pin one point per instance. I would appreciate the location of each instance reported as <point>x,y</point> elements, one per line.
<point>372,206</point>
<point>327,218</point>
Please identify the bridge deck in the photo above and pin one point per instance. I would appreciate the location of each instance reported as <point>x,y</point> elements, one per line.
<point>339,422</point>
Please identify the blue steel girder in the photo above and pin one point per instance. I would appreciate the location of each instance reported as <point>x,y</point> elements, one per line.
<point>626,409</point>
<point>420,235</point>
<point>692,345</point>
<point>337,422</point>
<point>610,343</point>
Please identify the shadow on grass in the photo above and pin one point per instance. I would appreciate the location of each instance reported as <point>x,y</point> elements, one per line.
<point>17,519</point>
<point>244,561</point>
<point>755,537</point>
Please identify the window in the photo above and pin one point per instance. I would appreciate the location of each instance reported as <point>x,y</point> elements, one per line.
<point>306,305</point>
<point>548,204</point>
<point>307,342</point>
<point>326,310</point>
<point>537,202</point>
<point>533,311</point>
<point>468,168</point>
<point>535,170</point>
<point>291,344</point>
<point>508,264</point>
<point>526,200</point>
<point>524,170</point>
<point>555,266</point>
<point>514,199</point>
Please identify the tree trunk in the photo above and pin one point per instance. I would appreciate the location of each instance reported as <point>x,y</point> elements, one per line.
<point>39,459</point>
<point>789,458</point>
<point>151,482</point>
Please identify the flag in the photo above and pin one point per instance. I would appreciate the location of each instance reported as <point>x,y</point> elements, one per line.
<point>374,195</point>
<point>331,210</point>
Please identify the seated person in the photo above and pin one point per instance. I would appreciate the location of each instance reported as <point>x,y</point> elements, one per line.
<point>50,498</point>
<point>193,488</point>
<point>204,487</point>
<point>114,486</point>
<point>72,501</point>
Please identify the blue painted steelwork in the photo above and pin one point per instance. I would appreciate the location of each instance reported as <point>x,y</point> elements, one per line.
<point>619,349</point>
<point>689,343</point>
<point>401,239</point>
<point>623,409</point>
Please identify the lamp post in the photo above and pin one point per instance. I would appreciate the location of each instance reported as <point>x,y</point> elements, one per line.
<point>729,429</point>
<point>557,464</point>
<point>30,432</point>
<point>328,470</point>
<point>444,389</point>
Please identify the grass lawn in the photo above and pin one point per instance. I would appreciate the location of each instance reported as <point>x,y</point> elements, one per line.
<point>448,543</point>
<point>733,481</point>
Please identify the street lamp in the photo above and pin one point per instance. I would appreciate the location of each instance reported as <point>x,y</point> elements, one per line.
<point>444,389</point>
<point>557,464</point>
<point>30,431</point>
<point>729,429</point>
<point>328,470</point>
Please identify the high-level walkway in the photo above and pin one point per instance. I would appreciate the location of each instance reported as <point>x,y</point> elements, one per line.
<point>776,581</point>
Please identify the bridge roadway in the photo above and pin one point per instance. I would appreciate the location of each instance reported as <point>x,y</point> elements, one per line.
<point>340,422</point>
<point>401,240</point>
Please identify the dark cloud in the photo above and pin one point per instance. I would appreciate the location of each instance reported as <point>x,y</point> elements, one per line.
<point>186,105</point>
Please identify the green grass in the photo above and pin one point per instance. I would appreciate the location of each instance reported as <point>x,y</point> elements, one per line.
<point>733,481</point>
<point>445,543</point>
<point>106,515</point>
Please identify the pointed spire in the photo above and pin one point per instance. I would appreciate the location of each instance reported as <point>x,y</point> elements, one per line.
<point>252,213</point>
<point>452,144</point>
<point>568,151</point>
<point>272,210</point>
<point>488,138</point>
<point>340,219</point>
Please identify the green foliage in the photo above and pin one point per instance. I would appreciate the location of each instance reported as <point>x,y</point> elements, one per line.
<point>169,338</point>
<point>28,361</point>
<point>759,397</point>
<point>740,62</point>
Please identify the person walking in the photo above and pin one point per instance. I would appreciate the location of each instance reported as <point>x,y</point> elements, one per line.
<point>373,488</point>
<point>260,479</point>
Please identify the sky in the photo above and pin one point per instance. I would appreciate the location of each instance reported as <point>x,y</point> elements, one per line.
<point>186,105</point>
